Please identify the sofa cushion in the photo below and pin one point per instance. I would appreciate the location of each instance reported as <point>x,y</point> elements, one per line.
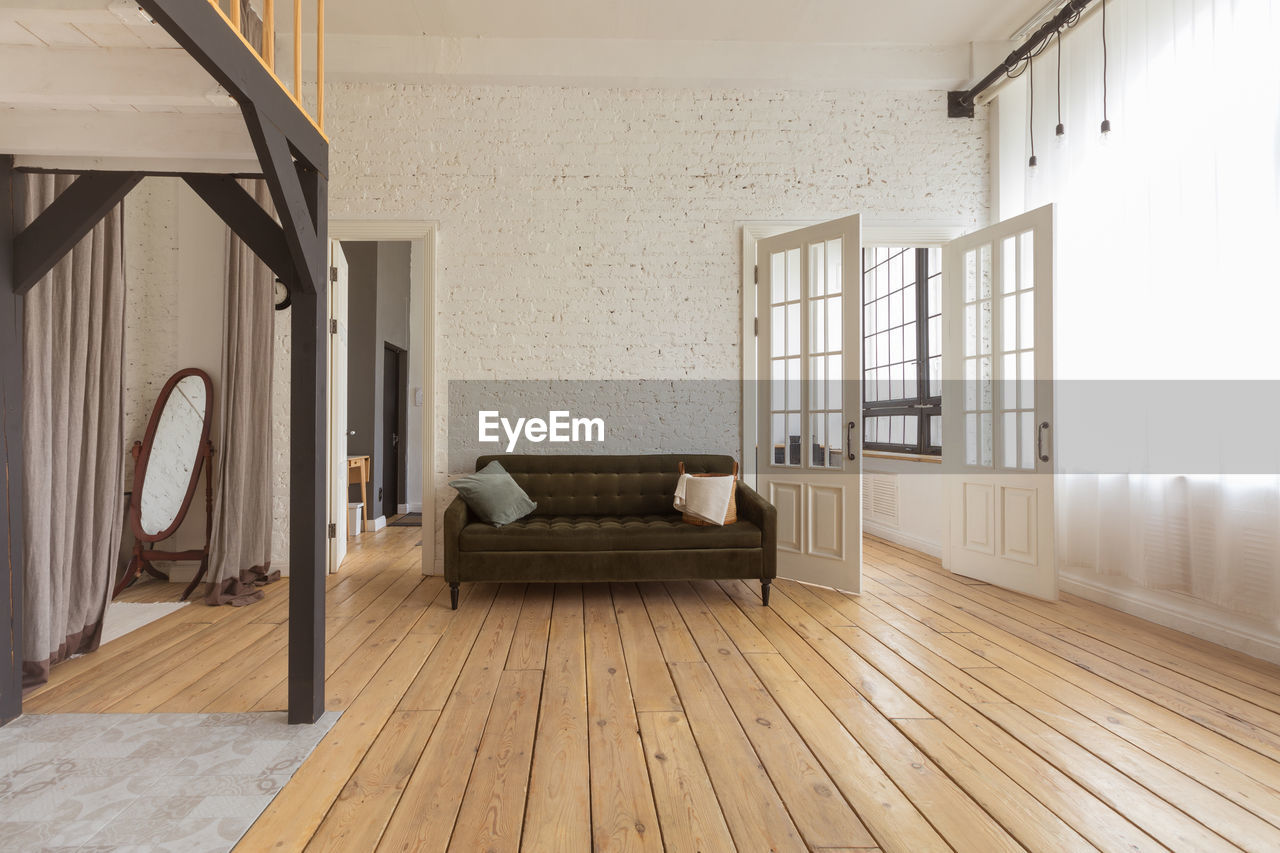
<point>606,533</point>
<point>493,495</point>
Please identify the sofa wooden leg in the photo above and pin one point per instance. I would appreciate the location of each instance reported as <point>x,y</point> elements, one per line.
<point>764,591</point>
<point>453,596</point>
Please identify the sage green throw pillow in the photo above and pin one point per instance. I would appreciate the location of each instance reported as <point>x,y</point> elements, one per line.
<point>494,496</point>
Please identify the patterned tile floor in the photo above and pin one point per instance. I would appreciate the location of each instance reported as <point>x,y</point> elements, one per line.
<point>143,782</point>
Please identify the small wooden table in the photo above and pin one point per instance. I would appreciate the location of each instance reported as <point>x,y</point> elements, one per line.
<point>358,472</point>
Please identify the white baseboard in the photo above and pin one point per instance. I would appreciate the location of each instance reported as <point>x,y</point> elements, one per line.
<point>906,540</point>
<point>402,508</point>
<point>412,507</point>
<point>1181,614</point>
<point>378,523</point>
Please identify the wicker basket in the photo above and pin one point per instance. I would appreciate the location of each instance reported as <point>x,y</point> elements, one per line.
<point>731,514</point>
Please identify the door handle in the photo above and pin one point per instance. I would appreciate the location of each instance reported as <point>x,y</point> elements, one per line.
<point>1040,433</point>
<point>850,435</point>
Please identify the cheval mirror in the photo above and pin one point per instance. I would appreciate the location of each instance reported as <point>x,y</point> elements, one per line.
<point>167,466</point>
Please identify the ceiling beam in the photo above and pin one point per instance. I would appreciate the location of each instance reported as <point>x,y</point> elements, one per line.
<point>161,141</point>
<point>650,62</point>
<point>46,77</point>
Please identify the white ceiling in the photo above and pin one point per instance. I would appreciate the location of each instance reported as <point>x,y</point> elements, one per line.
<point>920,22</point>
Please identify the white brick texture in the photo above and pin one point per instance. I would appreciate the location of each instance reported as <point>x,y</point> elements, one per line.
<point>589,233</point>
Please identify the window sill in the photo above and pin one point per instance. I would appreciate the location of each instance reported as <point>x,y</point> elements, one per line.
<point>905,457</point>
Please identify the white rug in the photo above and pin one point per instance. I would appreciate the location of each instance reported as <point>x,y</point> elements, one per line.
<point>125,616</point>
<point>188,783</point>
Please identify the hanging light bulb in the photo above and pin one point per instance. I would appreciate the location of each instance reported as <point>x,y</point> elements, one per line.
<point>1060,132</point>
<point>1031,115</point>
<point>1104,129</point>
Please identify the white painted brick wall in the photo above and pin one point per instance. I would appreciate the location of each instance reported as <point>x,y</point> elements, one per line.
<point>589,233</point>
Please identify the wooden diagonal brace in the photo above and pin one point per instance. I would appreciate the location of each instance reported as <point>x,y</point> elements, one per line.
<point>298,217</point>
<point>65,222</point>
<point>247,220</point>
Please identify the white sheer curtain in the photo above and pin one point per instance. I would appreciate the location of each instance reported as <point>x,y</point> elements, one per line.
<point>1167,235</point>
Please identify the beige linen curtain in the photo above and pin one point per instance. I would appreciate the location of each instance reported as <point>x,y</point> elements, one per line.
<point>240,552</point>
<point>73,381</point>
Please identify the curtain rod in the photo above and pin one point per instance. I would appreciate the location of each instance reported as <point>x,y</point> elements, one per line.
<point>960,103</point>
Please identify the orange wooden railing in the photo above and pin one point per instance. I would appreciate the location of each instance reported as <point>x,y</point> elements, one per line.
<point>265,12</point>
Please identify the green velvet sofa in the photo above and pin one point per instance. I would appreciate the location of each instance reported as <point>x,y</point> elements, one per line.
<point>609,518</point>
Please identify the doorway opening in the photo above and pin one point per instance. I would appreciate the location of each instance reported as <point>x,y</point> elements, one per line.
<point>382,404</point>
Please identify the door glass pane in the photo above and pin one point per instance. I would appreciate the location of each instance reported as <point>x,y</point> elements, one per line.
<point>793,385</point>
<point>1026,276</point>
<point>817,382</point>
<point>1009,323</point>
<point>1009,439</point>
<point>818,440</point>
<point>984,265</point>
<point>835,323</point>
<point>778,392</point>
<point>778,438</point>
<point>818,325</point>
<point>1027,319</point>
<point>834,388</point>
<point>778,332</point>
<point>817,269</point>
<point>777,278</point>
<point>987,439</point>
<point>793,438</point>
<point>1027,396</point>
<point>971,439</point>
<point>835,440</point>
<point>835,260</point>
<point>935,430</point>
<point>984,332</point>
<point>970,330</point>
<point>1008,265</point>
<point>1028,440</point>
<point>970,276</point>
<point>793,329</point>
<point>793,275</point>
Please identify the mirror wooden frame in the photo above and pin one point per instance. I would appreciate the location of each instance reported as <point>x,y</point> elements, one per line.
<point>142,553</point>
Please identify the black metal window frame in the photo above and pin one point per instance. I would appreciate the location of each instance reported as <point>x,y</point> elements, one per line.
<point>922,405</point>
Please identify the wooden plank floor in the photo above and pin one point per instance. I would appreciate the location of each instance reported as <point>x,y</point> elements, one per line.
<point>929,713</point>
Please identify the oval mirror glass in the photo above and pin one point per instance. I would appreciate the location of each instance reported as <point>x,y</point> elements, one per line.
<point>175,449</point>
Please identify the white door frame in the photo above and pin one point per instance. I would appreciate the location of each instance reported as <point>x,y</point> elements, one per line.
<point>923,233</point>
<point>381,230</point>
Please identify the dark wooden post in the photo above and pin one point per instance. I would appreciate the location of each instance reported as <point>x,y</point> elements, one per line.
<point>11,495</point>
<point>308,541</point>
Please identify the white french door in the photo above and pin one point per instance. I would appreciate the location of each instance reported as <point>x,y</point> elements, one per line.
<point>809,359</point>
<point>997,404</point>
<point>337,465</point>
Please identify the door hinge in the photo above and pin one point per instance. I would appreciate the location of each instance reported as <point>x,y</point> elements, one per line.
<point>333,273</point>
<point>333,325</point>
<point>757,320</point>
<point>757,273</point>
<point>333,530</point>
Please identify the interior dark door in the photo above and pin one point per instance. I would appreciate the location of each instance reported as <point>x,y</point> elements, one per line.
<point>391,431</point>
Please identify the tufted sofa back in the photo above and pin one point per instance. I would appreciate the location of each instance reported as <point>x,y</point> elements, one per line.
<point>604,485</point>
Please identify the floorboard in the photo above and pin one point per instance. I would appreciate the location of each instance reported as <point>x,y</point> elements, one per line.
<point>928,713</point>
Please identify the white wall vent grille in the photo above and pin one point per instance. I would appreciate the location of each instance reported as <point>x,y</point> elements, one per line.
<point>880,498</point>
